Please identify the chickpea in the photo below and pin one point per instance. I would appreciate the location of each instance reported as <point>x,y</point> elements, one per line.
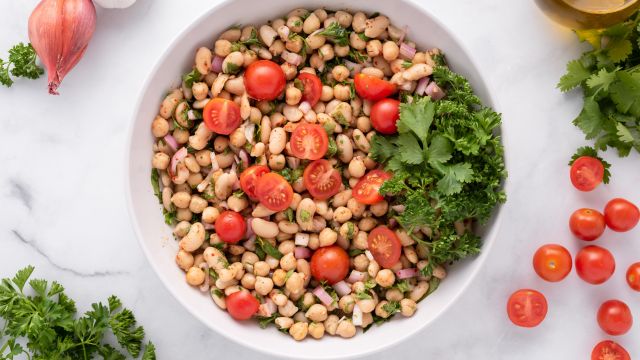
<point>380,208</point>
<point>159,127</point>
<point>261,268</point>
<point>284,322</point>
<point>345,328</point>
<point>263,285</point>
<point>408,307</point>
<point>184,260</point>
<point>361,262</point>
<point>293,95</point>
<point>342,214</point>
<point>288,309</point>
<point>181,135</point>
<point>347,303</point>
<point>326,52</point>
<point>374,48</point>
<point>295,283</point>
<point>299,330</point>
<point>200,90</point>
<point>222,47</point>
<point>197,204</point>
<point>237,138</point>
<point>327,93</point>
<point>160,161</point>
<point>327,237</point>
<point>311,24</point>
<point>315,41</point>
<point>316,330</point>
<point>181,199</point>
<point>358,21</point>
<point>248,281</point>
<point>220,143</point>
<point>308,299</point>
<point>340,73</point>
<point>356,167</point>
<point>390,50</point>
<point>195,276</point>
<point>367,224</point>
<point>288,262</point>
<point>341,198</point>
<point>373,268</point>
<point>210,214</point>
<point>342,92</point>
<point>331,324</point>
<point>317,313</point>
<point>394,294</point>
<point>356,41</point>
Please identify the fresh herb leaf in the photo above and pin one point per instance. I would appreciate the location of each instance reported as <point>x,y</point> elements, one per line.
<point>336,33</point>
<point>391,307</point>
<point>355,252</point>
<point>264,321</point>
<point>21,63</point>
<point>576,74</point>
<point>190,78</point>
<point>268,248</point>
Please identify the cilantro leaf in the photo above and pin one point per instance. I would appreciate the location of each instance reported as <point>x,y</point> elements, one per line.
<point>601,80</point>
<point>409,149</point>
<point>576,74</point>
<point>619,49</point>
<point>417,117</point>
<point>453,178</point>
<point>336,33</point>
<point>439,150</point>
<point>590,120</point>
<point>626,93</point>
<point>190,78</point>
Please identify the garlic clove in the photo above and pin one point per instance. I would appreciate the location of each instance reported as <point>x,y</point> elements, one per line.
<point>115,4</point>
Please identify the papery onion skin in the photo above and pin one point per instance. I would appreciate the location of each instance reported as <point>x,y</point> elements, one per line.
<point>59,31</point>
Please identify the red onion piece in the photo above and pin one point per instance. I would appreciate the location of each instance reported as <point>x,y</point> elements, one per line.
<point>434,91</point>
<point>271,305</point>
<point>305,107</point>
<point>356,276</point>
<point>291,58</point>
<point>249,232</point>
<point>357,316</point>
<point>244,156</point>
<point>285,31</point>
<point>216,64</point>
<point>342,288</point>
<point>214,162</point>
<point>206,182</point>
<point>250,244</point>
<point>178,157</point>
<point>171,141</point>
<point>249,132</point>
<point>407,51</point>
<point>208,226</point>
<point>406,273</point>
<point>302,253</point>
<point>354,68</point>
<point>422,85</point>
<point>398,208</point>
<point>302,239</point>
<point>324,296</point>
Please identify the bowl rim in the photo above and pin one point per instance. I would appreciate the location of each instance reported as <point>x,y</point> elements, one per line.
<point>488,242</point>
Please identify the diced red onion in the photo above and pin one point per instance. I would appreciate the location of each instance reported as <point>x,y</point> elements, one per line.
<point>291,58</point>
<point>302,239</point>
<point>249,132</point>
<point>178,157</point>
<point>305,107</point>
<point>216,64</point>
<point>407,51</point>
<point>234,165</point>
<point>323,295</point>
<point>271,305</point>
<point>171,141</point>
<point>368,254</point>
<point>342,288</point>
<point>244,156</point>
<point>249,233</point>
<point>398,208</point>
<point>356,276</point>
<point>434,91</point>
<point>208,226</point>
<point>422,85</point>
<point>406,273</point>
<point>356,318</point>
<point>205,285</point>
<point>302,253</point>
<point>206,182</point>
<point>293,162</point>
<point>250,244</point>
<point>354,68</point>
<point>223,204</point>
<point>392,223</point>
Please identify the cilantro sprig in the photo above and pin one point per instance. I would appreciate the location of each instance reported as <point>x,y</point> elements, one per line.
<point>336,33</point>
<point>21,63</point>
<point>48,324</point>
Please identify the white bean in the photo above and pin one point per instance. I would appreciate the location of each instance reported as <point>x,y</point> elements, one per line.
<point>194,238</point>
<point>277,140</point>
<point>265,229</point>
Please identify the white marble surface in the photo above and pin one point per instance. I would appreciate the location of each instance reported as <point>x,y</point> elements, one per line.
<point>62,186</point>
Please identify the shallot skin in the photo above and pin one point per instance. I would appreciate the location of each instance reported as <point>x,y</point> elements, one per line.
<point>59,31</point>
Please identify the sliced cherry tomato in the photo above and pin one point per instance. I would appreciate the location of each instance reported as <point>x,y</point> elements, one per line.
<point>384,115</point>
<point>587,224</point>
<point>309,141</point>
<point>552,262</point>
<point>372,88</point>
<point>367,189</point>
<point>330,264</point>
<point>595,264</point>
<point>385,246</point>
<point>230,226</point>
<point>274,192</point>
<point>242,305</point>
<point>321,179</point>
<point>621,215</point>
<point>249,178</point>
<point>264,80</point>
<point>527,308</point>
<point>586,173</point>
<point>312,88</point>
<point>221,116</point>
<point>633,276</point>
<point>614,317</point>
<point>609,350</point>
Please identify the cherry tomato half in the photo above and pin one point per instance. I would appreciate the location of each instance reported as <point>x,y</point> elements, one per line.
<point>312,88</point>
<point>372,88</point>
<point>330,264</point>
<point>221,116</point>
<point>385,246</point>
<point>586,173</point>
<point>384,115</point>
<point>274,192</point>
<point>321,179</point>
<point>242,305</point>
<point>621,215</point>
<point>367,189</point>
<point>595,264</point>
<point>609,350</point>
<point>264,80</point>
<point>527,308</point>
<point>230,226</point>
<point>309,141</point>
<point>614,317</point>
<point>633,276</point>
<point>587,224</point>
<point>552,262</point>
<point>249,178</point>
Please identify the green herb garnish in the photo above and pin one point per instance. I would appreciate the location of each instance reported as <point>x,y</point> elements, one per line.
<point>21,63</point>
<point>336,33</point>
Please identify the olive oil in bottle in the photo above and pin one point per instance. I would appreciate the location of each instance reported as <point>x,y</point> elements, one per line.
<point>588,14</point>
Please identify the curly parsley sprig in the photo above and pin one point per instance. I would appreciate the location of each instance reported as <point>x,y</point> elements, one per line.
<point>21,63</point>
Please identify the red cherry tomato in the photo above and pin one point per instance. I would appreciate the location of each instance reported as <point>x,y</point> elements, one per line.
<point>594,264</point>
<point>366,190</point>
<point>230,226</point>
<point>385,246</point>
<point>372,88</point>
<point>633,276</point>
<point>221,116</point>
<point>312,88</point>
<point>242,305</point>
<point>614,317</point>
<point>330,264</point>
<point>527,308</point>
<point>586,173</point>
<point>249,178</point>
<point>587,224</point>
<point>384,115</point>
<point>609,350</point>
<point>274,192</point>
<point>264,80</point>
<point>321,179</point>
<point>552,262</point>
<point>309,141</point>
<point>621,215</point>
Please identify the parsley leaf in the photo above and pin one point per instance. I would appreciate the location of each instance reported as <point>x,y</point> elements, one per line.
<point>268,248</point>
<point>21,63</point>
<point>190,78</point>
<point>336,33</point>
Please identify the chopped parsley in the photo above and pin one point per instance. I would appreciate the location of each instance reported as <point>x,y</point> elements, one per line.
<point>155,183</point>
<point>305,215</point>
<point>267,248</point>
<point>336,33</point>
<point>190,78</point>
<point>21,63</point>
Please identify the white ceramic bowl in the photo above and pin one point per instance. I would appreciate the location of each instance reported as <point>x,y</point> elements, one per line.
<point>156,238</point>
